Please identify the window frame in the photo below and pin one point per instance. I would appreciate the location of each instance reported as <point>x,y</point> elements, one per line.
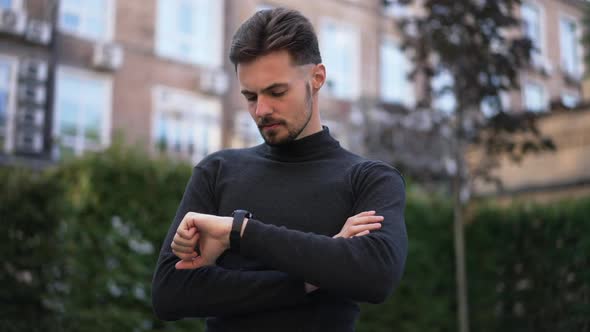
<point>109,24</point>
<point>79,146</point>
<point>9,128</point>
<point>180,100</point>
<point>542,52</point>
<point>579,47</point>
<point>356,72</point>
<point>544,95</point>
<point>16,5</point>
<point>263,6</point>
<point>216,50</point>
<point>408,101</point>
<point>571,93</point>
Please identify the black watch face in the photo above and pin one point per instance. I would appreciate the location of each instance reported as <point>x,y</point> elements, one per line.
<point>246,213</point>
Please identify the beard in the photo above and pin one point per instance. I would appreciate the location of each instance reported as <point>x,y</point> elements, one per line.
<point>293,130</point>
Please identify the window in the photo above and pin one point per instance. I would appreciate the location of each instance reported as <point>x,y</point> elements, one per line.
<point>340,48</point>
<point>185,124</point>
<point>190,31</point>
<point>7,88</point>
<point>91,19</point>
<point>534,97</point>
<point>396,9</point>
<point>247,133</point>
<point>568,37</point>
<point>490,106</point>
<point>11,4</point>
<point>83,112</point>
<point>531,19</point>
<point>395,67</point>
<point>442,89</point>
<point>570,99</point>
<point>262,6</point>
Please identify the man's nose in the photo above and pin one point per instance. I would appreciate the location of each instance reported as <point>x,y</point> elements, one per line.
<point>262,107</point>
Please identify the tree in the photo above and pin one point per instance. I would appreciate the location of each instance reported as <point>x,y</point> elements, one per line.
<point>471,51</point>
<point>586,38</point>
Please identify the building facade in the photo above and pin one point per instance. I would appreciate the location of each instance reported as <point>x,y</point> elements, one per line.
<point>148,72</point>
<point>75,76</point>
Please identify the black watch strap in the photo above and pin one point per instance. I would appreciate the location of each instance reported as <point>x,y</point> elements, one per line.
<point>236,228</point>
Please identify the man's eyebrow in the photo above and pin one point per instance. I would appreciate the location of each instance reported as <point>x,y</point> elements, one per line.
<point>268,88</point>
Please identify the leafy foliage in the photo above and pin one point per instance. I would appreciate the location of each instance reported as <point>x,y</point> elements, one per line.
<point>89,231</point>
<point>530,267</point>
<point>28,247</point>
<point>80,243</point>
<point>471,52</point>
<point>424,301</point>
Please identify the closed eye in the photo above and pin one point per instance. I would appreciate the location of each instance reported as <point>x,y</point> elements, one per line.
<point>278,94</point>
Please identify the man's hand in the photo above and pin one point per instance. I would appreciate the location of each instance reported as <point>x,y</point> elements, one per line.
<point>360,224</point>
<point>357,225</point>
<point>209,231</point>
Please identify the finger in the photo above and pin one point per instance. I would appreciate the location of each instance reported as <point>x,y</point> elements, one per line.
<point>367,220</point>
<point>186,233</point>
<point>364,213</point>
<point>184,256</point>
<point>190,264</point>
<point>182,249</point>
<point>365,232</point>
<point>188,221</point>
<point>183,242</point>
<point>364,227</point>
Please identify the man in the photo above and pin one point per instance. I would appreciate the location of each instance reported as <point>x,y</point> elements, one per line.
<point>263,239</point>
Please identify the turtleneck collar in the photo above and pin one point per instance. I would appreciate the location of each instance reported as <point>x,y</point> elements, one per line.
<point>302,149</point>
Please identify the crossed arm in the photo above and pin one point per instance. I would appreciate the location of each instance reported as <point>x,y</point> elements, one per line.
<point>216,230</point>
<point>204,289</point>
<point>215,239</point>
<point>362,268</point>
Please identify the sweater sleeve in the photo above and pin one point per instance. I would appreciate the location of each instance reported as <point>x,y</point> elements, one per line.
<point>213,290</point>
<point>365,268</point>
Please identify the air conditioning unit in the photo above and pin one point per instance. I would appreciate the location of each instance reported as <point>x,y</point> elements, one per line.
<point>107,56</point>
<point>214,82</point>
<point>12,21</point>
<point>38,32</point>
<point>33,69</point>
<point>29,141</point>
<point>32,94</point>
<point>31,117</point>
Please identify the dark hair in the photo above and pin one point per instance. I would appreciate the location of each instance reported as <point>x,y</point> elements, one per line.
<point>275,30</point>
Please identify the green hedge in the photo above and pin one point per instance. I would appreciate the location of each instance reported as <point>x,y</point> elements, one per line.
<point>79,243</point>
<point>529,267</point>
<point>28,244</point>
<point>89,231</point>
<point>424,301</point>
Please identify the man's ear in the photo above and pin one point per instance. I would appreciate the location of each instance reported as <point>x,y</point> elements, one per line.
<point>318,77</point>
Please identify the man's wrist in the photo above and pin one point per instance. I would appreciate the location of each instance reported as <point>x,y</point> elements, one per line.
<point>227,221</point>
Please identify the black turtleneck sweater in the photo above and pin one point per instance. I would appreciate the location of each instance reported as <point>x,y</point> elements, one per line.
<point>301,194</point>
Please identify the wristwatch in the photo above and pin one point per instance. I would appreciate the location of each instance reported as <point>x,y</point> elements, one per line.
<point>236,228</point>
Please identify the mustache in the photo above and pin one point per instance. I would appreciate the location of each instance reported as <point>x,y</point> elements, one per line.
<point>268,121</point>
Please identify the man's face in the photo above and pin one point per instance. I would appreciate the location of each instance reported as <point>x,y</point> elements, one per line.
<point>279,96</point>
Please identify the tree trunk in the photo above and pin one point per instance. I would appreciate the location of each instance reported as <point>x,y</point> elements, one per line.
<point>458,230</point>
